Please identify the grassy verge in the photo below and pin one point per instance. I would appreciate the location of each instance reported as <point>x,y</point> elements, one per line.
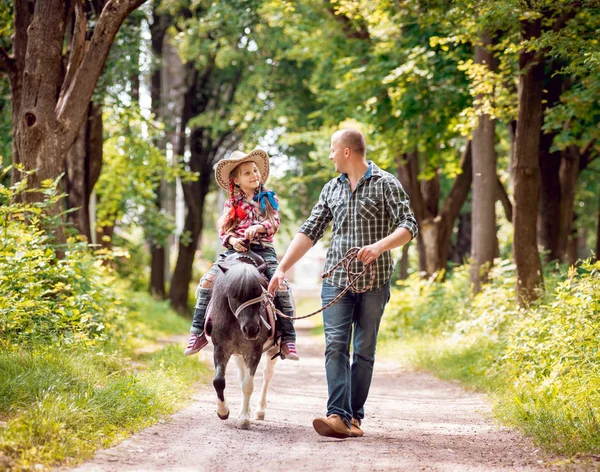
<point>59,405</point>
<point>540,365</point>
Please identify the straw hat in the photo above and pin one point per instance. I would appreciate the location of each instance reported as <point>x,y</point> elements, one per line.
<point>225,166</point>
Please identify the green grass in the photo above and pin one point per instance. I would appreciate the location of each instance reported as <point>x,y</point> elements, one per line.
<point>59,405</point>
<point>539,365</point>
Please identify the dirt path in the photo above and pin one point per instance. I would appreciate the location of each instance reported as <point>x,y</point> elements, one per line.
<point>414,422</point>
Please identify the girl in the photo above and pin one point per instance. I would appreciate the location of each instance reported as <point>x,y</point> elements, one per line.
<point>251,213</point>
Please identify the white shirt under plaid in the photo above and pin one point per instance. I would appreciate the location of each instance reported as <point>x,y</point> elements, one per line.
<point>377,207</point>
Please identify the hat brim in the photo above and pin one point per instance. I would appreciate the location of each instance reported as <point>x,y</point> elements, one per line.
<point>226,166</point>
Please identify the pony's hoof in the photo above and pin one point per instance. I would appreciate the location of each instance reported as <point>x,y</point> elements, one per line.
<point>243,424</point>
<point>260,415</point>
<point>223,417</point>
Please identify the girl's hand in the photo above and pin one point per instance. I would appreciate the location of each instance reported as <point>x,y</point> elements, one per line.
<point>251,232</point>
<point>237,244</point>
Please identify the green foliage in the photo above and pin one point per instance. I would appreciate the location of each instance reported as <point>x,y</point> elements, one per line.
<point>554,356</point>
<point>44,298</point>
<point>63,405</point>
<point>130,200</point>
<point>541,362</point>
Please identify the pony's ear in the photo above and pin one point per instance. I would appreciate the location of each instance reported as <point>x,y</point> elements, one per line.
<point>223,268</point>
<point>262,267</point>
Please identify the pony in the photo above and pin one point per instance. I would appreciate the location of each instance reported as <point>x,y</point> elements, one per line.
<point>240,326</point>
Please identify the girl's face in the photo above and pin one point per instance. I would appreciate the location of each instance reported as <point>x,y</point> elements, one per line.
<point>247,176</point>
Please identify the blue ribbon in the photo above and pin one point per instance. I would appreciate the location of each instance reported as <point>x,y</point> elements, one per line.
<point>269,195</point>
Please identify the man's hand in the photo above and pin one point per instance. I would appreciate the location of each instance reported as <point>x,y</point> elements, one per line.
<point>368,254</point>
<point>253,230</point>
<point>276,281</point>
<point>237,244</point>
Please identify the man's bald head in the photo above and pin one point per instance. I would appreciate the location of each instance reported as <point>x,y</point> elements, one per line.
<point>353,139</point>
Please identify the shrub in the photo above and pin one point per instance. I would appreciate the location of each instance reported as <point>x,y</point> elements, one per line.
<point>44,297</point>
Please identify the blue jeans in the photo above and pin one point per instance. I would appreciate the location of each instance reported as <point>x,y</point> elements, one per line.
<point>283,299</point>
<point>348,385</point>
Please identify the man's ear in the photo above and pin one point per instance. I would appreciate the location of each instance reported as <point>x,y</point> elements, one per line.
<point>262,267</point>
<point>223,268</point>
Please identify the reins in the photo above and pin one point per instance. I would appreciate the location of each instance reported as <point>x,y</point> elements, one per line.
<point>353,277</point>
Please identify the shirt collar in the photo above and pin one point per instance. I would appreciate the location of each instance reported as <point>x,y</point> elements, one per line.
<point>372,170</point>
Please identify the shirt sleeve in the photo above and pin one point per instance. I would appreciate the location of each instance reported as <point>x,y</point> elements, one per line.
<point>397,205</point>
<point>273,226</point>
<point>224,237</point>
<point>316,224</point>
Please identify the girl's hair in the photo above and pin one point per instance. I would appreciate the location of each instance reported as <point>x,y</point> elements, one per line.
<point>226,223</point>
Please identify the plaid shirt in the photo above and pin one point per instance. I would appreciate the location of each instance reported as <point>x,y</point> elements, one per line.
<point>253,217</point>
<point>377,207</point>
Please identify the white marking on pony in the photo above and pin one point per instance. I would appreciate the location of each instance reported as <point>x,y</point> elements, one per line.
<point>268,373</point>
<point>222,409</point>
<point>247,384</point>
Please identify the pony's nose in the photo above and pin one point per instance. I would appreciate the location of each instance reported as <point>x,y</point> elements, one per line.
<point>251,331</point>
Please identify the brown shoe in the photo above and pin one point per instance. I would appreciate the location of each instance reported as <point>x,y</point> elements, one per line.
<point>333,427</point>
<point>355,431</point>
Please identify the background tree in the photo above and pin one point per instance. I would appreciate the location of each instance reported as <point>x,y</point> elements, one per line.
<point>49,106</point>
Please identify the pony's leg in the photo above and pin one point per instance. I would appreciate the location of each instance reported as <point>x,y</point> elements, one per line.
<point>221,358</point>
<point>247,385</point>
<point>268,373</point>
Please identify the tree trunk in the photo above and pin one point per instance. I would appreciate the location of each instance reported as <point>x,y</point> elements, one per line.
<point>462,249</point>
<point>195,195</point>
<point>568,175</point>
<point>526,169</point>
<point>484,238</point>
<point>550,191</point>
<point>435,229</point>
<point>158,253</point>
<point>572,245</point>
<point>403,265</point>
<point>598,233</point>
<point>83,166</point>
<point>49,103</point>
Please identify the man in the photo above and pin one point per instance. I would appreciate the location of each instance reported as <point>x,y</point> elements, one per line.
<point>370,210</point>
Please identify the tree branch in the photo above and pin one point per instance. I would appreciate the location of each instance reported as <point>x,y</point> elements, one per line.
<point>461,187</point>
<point>71,110</point>
<point>77,48</point>
<point>7,63</point>
<point>23,15</point>
<point>506,203</point>
<point>585,154</point>
<point>408,173</point>
<point>352,29</point>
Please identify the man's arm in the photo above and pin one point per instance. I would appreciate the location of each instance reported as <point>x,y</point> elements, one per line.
<point>299,246</point>
<point>371,252</point>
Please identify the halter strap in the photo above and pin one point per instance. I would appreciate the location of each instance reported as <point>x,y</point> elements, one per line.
<point>262,298</point>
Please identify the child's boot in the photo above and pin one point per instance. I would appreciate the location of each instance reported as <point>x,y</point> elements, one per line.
<point>285,303</point>
<point>197,336</point>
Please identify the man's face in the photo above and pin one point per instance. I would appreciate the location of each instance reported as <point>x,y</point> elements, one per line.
<point>336,155</point>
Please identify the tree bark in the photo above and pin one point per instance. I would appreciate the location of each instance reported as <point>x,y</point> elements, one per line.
<point>526,169</point>
<point>550,191</point>
<point>403,265</point>
<point>462,250</point>
<point>83,166</point>
<point>598,233</point>
<point>568,175</point>
<point>158,253</point>
<point>484,238</point>
<point>435,229</point>
<point>49,105</point>
<point>194,194</point>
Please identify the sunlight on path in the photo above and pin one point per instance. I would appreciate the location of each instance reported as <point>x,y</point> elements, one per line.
<point>414,422</point>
